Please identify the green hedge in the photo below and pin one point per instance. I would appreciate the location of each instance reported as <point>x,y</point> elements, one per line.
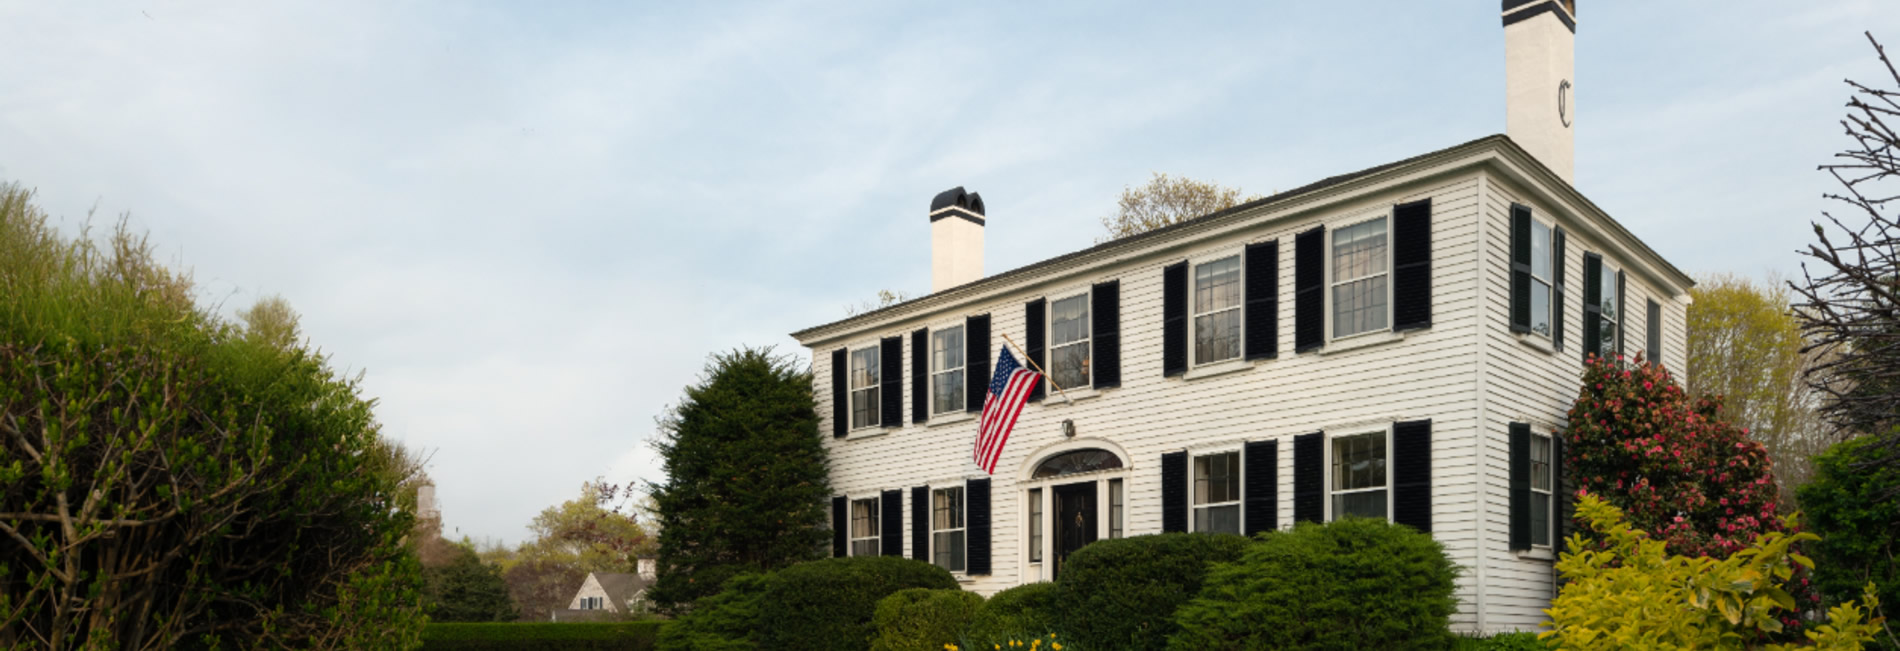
<point>1014,614</point>
<point>922,619</point>
<point>509,636</point>
<point>827,605</point>
<point>1121,594</point>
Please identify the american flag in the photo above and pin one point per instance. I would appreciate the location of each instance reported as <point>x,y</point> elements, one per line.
<point>1009,391</point>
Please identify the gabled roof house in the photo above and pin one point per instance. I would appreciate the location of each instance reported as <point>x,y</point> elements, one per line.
<point>1396,342</point>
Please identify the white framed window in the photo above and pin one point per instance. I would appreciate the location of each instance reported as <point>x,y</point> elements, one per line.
<point>1116,507</point>
<point>1217,492</point>
<point>1069,341</point>
<point>1361,477</point>
<point>1541,493</point>
<point>864,521</point>
<point>946,528</point>
<point>1361,289</point>
<point>1609,318</point>
<point>593,603</point>
<point>946,370</point>
<point>865,379</point>
<point>1541,275</point>
<point>1216,310</point>
<point>1035,525</point>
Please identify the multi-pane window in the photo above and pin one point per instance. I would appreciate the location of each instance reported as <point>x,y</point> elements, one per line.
<point>1069,342</point>
<point>593,603</point>
<point>946,528</point>
<point>1115,508</point>
<point>1541,278</point>
<point>1610,317</point>
<point>1217,492</point>
<point>1360,260</point>
<point>864,387</point>
<point>1541,482</point>
<point>1359,475</point>
<point>1217,310</point>
<point>946,370</point>
<point>864,535</point>
<point>1035,525</point>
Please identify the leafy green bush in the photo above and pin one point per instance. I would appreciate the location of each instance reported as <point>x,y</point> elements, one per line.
<point>827,605</point>
<point>582,636</point>
<point>1349,584</point>
<point>922,619</point>
<point>1847,504</point>
<point>1633,593</point>
<point>1016,613</point>
<point>1121,594</point>
<point>726,621</point>
<point>1503,642</point>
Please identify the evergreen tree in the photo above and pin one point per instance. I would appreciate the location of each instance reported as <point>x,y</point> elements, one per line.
<point>466,590</point>
<point>747,478</point>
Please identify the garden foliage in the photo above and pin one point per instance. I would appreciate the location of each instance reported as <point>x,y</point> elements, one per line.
<point>1122,593</point>
<point>826,604</point>
<point>170,477</point>
<point>1630,592</point>
<point>1024,611</point>
<point>726,621</point>
<point>1354,583</point>
<point>922,619</point>
<point>465,589</point>
<point>1850,505</point>
<point>543,636</point>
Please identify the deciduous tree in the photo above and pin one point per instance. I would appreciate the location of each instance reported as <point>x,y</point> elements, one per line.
<point>1167,200</point>
<point>465,589</point>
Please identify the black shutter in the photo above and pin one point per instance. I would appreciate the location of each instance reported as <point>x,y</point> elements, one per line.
<point>1174,318</point>
<point>1412,265</point>
<point>1309,477</point>
<point>1174,492</point>
<point>1105,301</point>
<point>840,405</point>
<point>976,360</point>
<point>1654,332</point>
<point>1622,315</point>
<point>1520,486</point>
<point>1592,305</point>
<point>839,522</point>
<point>1262,490</point>
<point>1263,300</point>
<point>1412,474</point>
<point>920,523</point>
<point>1309,290</point>
<point>920,375</point>
<point>891,362</point>
<point>976,501</point>
<point>1036,340</point>
<point>890,531</point>
<point>1557,288</point>
<point>1520,268</point>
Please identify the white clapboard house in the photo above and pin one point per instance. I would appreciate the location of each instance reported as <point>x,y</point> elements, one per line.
<point>1396,342</point>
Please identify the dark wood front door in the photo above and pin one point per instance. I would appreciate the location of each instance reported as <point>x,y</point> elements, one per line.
<point>1074,519</point>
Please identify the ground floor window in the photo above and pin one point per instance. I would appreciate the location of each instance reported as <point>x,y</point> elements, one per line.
<point>1217,492</point>
<point>1115,508</point>
<point>946,528</point>
<point>1359,475</point>
<point>864,534</point>
<point>1540,490</point>
<point>1035,525</point>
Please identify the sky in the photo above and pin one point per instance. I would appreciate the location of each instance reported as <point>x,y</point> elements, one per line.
<point>529,224</point>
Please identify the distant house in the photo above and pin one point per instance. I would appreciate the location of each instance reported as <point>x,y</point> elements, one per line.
<point>610,595</point>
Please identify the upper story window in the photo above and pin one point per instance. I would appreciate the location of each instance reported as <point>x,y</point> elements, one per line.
<point>864,534</point>
<point>946,370</point>
<point>1217,492</point>
<point>1361,259</point>
<point>1541,482</point>
<point>864,387</point>
<point>1359,472</point>
<point>1069,341</point>
<point>946,528</point>
<point>1541,262</point>
<point>1609,310</point>
<point>1217,301</point>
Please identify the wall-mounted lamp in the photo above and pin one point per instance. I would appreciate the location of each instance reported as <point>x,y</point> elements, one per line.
<point>1068,428</point>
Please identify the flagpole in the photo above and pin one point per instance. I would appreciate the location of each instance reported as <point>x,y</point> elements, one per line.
<point>1038,367</point>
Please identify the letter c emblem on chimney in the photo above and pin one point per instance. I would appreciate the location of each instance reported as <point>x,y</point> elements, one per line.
<point>1563,102</point>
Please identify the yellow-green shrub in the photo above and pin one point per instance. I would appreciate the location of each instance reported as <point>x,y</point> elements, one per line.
<point>1634,595</point>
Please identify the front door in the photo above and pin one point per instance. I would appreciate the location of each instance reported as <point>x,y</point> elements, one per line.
<point>1074,519</point>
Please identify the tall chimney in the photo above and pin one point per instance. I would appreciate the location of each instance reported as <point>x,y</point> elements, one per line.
<point>1540,53</point>
<point>956,238</point>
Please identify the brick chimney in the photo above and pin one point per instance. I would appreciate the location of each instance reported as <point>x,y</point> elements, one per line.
<point>956,238</point>
<point>1540,55</point>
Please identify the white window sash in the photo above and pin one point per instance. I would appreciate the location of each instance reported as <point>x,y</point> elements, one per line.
<point>939,374</point>
<point>1194,316</point>
<point>1334,281</point>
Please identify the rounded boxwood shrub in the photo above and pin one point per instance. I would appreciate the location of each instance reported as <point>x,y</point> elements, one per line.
<point>828,605</point>
<point>1349,584</point>
<point>922,619</point>
<point>726,621</point>
<point>1121,594</point>
<point>1020,612</point>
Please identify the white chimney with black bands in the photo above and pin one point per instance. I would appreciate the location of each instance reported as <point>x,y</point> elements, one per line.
<point>956,239</point>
